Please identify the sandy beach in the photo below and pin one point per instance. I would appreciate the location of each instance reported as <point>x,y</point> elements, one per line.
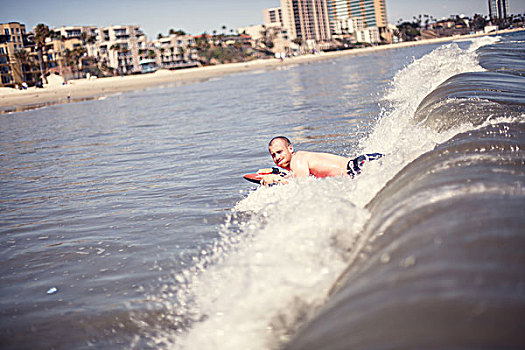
<point>76,90</point>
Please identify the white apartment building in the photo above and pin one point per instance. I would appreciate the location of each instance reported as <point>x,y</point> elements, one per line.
<point>118,47</point>
<point>368,35</point>
<point>355,26</point>
<point>348,25</point>
<point>69,32</point>
<point>173,51</point>
<point>86,34</point>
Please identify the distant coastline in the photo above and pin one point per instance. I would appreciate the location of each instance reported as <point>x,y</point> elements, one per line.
<point>12,100</point>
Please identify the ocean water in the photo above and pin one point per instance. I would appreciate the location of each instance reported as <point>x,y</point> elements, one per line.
<point>134,209</point>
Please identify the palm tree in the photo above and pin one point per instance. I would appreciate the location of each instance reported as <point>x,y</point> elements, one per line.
<point>79,52</point>
<point>268,36</point>
<point>298,41</point>
<point>91,39</point>
<point>117,48</point>
<point>180,50</point>
<point>41,33</point>
<point>74,58</point>
<point>57,36</point>
<point>123,52</point>
<point>162,50</point>
<point>172,51</point>
<point>23,59</point>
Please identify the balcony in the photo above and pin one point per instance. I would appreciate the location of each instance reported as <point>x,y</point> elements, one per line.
<point>73,33</point>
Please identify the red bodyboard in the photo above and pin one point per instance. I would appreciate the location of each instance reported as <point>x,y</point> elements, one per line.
<point>255,178</point>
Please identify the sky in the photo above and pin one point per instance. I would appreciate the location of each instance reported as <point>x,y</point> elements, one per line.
<point>198,16</point>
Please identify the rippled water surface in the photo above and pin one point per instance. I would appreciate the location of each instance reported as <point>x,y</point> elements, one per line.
<point>107,200</point>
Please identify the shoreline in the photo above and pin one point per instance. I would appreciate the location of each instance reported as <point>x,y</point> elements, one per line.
<point>12,100</point>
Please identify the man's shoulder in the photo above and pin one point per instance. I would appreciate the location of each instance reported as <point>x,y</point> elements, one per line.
<point>304,154</point>
<point>314,155</point>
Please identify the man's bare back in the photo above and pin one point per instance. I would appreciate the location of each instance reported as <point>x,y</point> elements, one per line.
<point>318,164</point>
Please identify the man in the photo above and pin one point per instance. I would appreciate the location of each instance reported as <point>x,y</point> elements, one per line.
<point>304,164</point>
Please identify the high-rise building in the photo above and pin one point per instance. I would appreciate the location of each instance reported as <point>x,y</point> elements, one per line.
<point>373,12</point>
<point>498,8</point>
<point>306,20</point>
<point>273,17</point>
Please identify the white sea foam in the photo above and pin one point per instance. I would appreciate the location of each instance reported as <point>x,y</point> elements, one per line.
<point>272,268</point>
<point>282,269</point>
<point>395,133</point>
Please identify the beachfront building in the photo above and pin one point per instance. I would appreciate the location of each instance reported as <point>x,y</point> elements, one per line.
<point>273,17</point>
<point>172,52</point>
<point>373,12</point>
<point>68,49</point>
<point>255,32</point>
<point>369,13</point>
<point>17,63</point>
<point>368,35</point>
<point>354,30</point>
<point>272,38</point>
<point>118,48</point>
<point>498,9</point>
<point>347,26</point>
<point>306,21</point>
<point>74,36</point>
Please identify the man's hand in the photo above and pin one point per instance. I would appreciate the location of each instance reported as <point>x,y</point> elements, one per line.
<point>265,171</point>
<point>271,179</point>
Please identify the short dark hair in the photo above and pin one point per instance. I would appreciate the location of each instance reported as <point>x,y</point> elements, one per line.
<point>283,138</point>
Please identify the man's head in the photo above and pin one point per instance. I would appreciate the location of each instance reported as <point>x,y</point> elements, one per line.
<point>281,150</point>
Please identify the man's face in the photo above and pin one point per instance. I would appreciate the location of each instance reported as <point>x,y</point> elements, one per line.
<point>281,154</point>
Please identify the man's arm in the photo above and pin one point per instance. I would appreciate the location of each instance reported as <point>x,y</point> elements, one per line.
<point>270,176</point>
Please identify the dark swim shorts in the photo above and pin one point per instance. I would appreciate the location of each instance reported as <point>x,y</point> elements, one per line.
<point>353,167</point>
